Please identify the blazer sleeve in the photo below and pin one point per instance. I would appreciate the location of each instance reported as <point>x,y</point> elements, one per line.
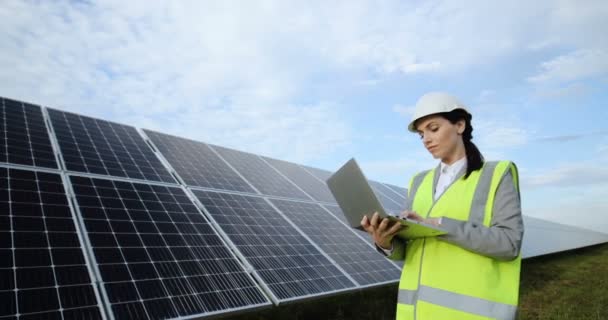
<point>502,240</point>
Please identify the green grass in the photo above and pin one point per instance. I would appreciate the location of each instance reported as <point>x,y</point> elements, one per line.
<point>569,285</point>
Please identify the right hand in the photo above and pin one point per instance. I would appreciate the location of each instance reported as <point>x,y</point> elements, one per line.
<point>381,232</point>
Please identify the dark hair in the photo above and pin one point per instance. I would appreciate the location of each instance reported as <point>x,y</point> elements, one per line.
<point>474,158</point>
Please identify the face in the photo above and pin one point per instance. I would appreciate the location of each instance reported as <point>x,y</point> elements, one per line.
<point>442,138</point>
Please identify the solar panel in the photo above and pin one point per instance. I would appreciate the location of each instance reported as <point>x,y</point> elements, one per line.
<point>285,260</point>
<point>43,272</point>
<point>544,237</point>
<point>390,201</point>
<point>307,182</point>
<point>106,148</point>
<point>321,174</point>
<point>156,254</point>
<point>197,164</point>
<point>263,177</point>
<point>24,138</point>
<point>390,205</point>
<point>402,192</point>
<point>337,212</point>
<point>362,262</point>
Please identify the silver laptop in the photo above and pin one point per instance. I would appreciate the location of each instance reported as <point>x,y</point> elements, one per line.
<point>356,199</point>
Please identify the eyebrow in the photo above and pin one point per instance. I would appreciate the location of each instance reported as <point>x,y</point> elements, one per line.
<point>428,125</point>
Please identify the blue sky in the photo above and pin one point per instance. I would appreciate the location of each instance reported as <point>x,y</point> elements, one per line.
<point>318,82</point>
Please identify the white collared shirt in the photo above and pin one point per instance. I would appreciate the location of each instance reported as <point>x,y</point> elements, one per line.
<point>447,174</point>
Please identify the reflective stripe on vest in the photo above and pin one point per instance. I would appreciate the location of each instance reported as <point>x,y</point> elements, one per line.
<point>478,207</point>
<point>460,302</point>
<point>413,188</point>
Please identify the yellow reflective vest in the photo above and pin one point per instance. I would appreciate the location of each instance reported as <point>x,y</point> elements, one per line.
<point>441,280</point>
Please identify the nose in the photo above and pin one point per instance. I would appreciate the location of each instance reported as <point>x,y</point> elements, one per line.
<point>426,139</point>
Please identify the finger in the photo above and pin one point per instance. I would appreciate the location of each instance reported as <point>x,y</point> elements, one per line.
<point>383,225</point>
<point>374,222</point>
<point>414,216</point>
<point>364,221</point>
<point>395,228</point>
<point>405,213</point>
<point>366,226</point>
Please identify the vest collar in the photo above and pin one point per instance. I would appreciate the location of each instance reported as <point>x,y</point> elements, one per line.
<point>436,174</point>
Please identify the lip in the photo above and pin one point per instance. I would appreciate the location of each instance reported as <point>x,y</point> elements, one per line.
<point>431,148</point>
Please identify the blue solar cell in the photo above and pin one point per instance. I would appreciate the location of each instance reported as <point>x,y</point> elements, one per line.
<point>106,148</point>
<point>313,186</point>
<point>24,137</point>
<point>263,177</point>
<point>197,164</point>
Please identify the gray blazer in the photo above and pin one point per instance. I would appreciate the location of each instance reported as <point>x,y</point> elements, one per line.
<point>501,241</point>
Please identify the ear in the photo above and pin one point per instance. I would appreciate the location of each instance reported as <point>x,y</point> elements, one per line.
<point>460,126</point>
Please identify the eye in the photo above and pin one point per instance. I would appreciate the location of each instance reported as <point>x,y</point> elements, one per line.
<point>420,135</point>
<point>434,129</point>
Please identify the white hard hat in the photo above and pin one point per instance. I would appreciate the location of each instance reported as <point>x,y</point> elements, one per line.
<point>434,102</point>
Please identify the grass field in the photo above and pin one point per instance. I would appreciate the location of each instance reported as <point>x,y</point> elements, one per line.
<point>569,285</point>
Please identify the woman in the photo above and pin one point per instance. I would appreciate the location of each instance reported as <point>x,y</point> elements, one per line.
<point>472,272</point>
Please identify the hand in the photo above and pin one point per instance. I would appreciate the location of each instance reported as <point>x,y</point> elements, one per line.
<point>414,216</point>
<point>381,232</point>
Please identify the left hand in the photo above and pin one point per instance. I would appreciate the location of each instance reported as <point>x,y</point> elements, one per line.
<point>414,216</point>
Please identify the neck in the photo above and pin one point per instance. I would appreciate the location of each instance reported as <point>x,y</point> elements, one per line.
<point>458,154</point>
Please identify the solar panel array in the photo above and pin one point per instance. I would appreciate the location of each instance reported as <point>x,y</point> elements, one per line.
<point>139,224</point>
<point>101,221</point>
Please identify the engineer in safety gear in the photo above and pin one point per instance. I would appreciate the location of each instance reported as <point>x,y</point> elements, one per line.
<point>472,272</point>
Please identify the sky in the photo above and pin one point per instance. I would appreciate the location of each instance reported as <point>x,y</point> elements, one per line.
<point>319,82</point>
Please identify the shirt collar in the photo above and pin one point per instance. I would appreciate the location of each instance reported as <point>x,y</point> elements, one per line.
<point>453,168</point>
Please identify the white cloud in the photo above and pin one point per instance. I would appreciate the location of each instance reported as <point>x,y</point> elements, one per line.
<point>576,65</point>
<point>405,111</point>
<point>562,92</point>
<point>207,71</point>
<point>234,72</point>
<point>398,171</point>
<point>495,134</point>
<point>569,175</point>
<point>486,95</point>
<point>284,133</point>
